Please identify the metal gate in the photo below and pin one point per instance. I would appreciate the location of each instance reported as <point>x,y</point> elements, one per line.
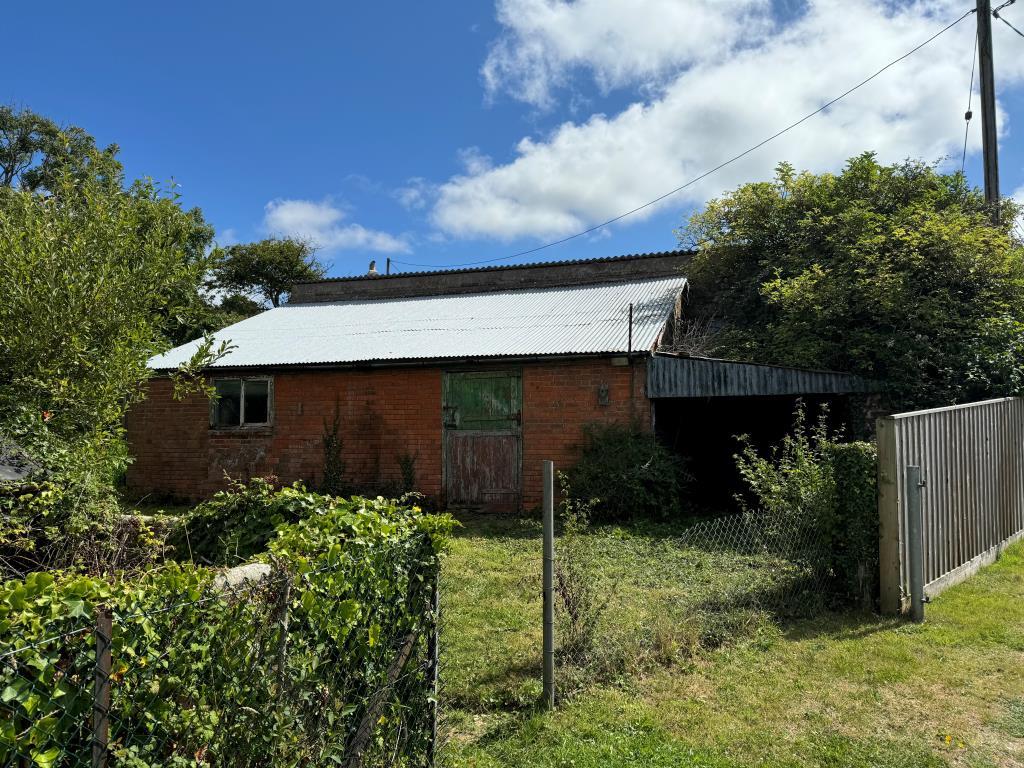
<point>482,417</point>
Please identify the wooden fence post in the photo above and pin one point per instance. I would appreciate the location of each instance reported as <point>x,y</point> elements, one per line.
<point>101,687</point>
<point>889,527</point>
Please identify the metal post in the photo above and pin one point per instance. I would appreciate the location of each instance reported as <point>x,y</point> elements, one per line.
<point>629,342</point>
<point>915,542</point>
<point>101,688</point>
<point>989,138</point>
<point>549,584</point>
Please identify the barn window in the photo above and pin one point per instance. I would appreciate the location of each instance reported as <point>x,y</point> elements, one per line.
<point>241,403</point>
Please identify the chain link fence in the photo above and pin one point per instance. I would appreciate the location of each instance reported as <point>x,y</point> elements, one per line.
<point>260,666</point>
<point>727,577</point>
<point>783,562</point>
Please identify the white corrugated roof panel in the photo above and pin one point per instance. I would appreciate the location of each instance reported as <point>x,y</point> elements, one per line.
<point>541,321</point>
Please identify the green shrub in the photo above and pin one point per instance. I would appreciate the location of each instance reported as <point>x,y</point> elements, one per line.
<point>48,524</point>
<point>855,554</point>
<point>815,504</point>
<point>205,676</point>
<point>407,469</point>
<point>794,492</point>
<point>237,523</point>
<point>629,473</point>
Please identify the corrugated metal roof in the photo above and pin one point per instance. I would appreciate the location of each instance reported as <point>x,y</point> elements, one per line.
<point>669,376</point>
<point>541,321</point>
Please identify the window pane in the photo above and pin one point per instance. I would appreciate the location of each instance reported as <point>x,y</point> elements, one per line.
<point>256,402</point>
<point>229,403</point>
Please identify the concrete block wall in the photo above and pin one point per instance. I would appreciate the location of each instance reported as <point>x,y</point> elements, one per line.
<point>385,413</point>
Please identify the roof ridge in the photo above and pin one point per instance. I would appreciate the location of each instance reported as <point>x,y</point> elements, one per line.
<point>483,292</point>
<point>499,267</point>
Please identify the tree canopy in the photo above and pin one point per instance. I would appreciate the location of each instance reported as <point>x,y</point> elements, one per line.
<point>35,152</point>
<point>91,281</point>
<point>95,278</point>
<point>892,272</point>
<point>267,269</point>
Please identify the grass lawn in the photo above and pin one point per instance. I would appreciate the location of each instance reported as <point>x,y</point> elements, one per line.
<point>833,690</point>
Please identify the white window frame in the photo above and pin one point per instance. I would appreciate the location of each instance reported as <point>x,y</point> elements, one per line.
<point>241,407</point>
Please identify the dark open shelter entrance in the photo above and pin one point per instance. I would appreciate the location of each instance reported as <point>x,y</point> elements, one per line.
<point>701,406</point>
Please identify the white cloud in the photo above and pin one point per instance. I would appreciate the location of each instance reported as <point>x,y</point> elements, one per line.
<point>621,42</point>
<point>1018,197</point>
<point>416,194</point>
<point>323,224</point>
<point>226,237</point>
<point>474,161</point>
<point>589,171</point>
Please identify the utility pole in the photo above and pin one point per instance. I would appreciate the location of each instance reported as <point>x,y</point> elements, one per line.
<point>989,138</point>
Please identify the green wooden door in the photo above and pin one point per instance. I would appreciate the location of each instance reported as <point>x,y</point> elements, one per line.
<point>482,413</point>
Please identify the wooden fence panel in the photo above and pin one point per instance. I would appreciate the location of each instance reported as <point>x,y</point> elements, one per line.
<point>972,463</point>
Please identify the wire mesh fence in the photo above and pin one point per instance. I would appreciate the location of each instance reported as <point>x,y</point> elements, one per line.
<point>782,561</point>
<point>711,584</point>
<point>276,667</point>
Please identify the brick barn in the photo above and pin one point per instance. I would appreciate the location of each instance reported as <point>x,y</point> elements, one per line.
<point>467,378</point>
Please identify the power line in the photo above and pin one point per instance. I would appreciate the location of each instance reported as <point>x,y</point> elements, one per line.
<point>707,173</point>
<point>996,14</point>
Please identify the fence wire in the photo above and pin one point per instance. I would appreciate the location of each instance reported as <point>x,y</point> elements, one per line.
<point>275,670</point>
<point>780,562</point>
<point>729,576</point>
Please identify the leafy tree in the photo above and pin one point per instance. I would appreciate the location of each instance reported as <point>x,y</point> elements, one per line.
<point>95,279</point>
<point>207,315</point>
<point>35,152</point>
<point>892,272</point>
<point>91,281</point>
<point>267,269</point>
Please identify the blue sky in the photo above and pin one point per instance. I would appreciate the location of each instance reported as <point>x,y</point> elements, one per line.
<point>450,132</point>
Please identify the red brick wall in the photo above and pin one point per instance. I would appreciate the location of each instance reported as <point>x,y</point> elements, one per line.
<point>561,398</point>
<point>384,413</point>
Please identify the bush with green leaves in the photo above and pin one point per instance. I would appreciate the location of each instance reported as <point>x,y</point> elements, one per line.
<point>51,524</point>
<point>628,473</point>
<point>894,272</point>
<point>333,481</point>
<point>91,280</point>
<point>812,501</point>
<point>855,542</point>
<point>94,279</point>
<point>279,670</point>
<point>237,523</point>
